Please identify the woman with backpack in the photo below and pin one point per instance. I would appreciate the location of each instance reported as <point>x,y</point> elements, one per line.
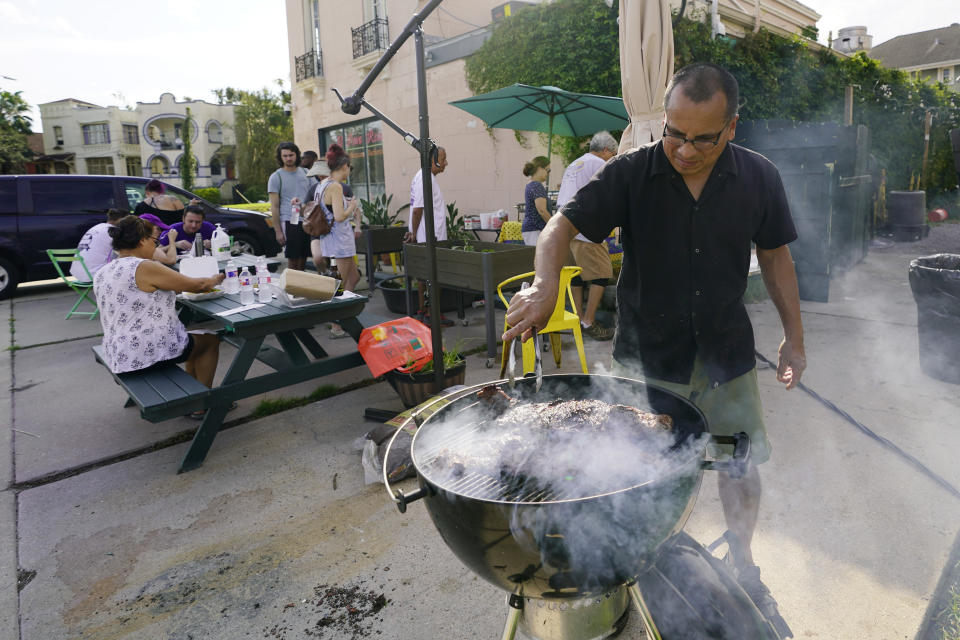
<point>340,243</point>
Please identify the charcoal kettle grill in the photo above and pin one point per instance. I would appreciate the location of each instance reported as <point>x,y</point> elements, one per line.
<point>526,540</point>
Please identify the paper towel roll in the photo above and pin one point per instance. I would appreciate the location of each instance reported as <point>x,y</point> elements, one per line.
<point>308,285</point>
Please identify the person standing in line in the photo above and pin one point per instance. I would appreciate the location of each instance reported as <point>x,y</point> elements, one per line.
<point>308,159</point>
<point>317,173</point>
<point>592,257</point>
<point>287,188</point>
<point>343,214</point>
<point>690,205</point>
<point>536,214</point>
<point>96,247</point>
<point>418,231</point>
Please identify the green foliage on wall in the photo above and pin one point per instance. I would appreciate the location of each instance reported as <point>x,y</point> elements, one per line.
<point>573,44</point>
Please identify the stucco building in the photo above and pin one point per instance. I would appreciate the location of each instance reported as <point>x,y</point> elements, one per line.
<point>81,137</point>
<point>484,172</point>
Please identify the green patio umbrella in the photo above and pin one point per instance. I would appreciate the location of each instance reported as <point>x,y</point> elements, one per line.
<point>546,109</point>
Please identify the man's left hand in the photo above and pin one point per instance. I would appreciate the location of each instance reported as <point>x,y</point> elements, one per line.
<point>792,362</point>
<point>206,244</point>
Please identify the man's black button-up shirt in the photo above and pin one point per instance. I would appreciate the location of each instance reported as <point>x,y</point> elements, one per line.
<point>685,261</point>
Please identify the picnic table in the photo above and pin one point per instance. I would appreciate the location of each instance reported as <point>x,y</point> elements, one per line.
<point>171,392</point>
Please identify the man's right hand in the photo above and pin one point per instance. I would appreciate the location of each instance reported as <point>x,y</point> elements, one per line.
<point>280,239</point>
<point>529,308</point>
<point>185,245</point>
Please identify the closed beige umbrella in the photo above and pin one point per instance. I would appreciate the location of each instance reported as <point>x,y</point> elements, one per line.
<point>646,66</point>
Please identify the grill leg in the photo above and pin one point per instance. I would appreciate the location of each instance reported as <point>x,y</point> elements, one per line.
<point>513,617</point>
<point>649,625</point>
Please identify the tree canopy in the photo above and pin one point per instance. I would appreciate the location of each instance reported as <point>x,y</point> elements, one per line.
<point>14,128</point>
<point>260,123</point>
<point>573,44</point>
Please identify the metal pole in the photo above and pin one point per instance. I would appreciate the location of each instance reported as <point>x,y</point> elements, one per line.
<point>427,152</point>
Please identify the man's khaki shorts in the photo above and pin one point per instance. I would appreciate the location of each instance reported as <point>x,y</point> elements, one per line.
<point>730,408</point>
<point>593,258</point>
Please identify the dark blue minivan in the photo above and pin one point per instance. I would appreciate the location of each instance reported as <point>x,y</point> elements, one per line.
<point>40,212</point>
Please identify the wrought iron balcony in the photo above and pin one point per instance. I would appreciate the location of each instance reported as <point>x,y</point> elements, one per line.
<point>372,36</point>
<point>309,65</point>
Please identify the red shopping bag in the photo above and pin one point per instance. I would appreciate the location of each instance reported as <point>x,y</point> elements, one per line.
<point>396,343</point>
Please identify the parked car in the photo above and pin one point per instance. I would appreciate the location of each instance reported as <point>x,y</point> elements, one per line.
<point>40,212</point>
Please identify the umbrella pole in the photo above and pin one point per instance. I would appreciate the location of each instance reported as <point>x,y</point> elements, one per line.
<point>427,152</point>
<point>427,149</point>
<point>549,151</point>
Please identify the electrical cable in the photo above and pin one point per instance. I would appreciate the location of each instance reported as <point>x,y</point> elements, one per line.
<point>475,26</point>
<point>919,466</point>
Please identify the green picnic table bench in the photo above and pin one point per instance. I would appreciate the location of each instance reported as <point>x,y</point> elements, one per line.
<point>169,391</point>
<point>162,392</point>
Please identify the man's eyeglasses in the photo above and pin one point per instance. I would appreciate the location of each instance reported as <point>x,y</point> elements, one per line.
<point>700,143</point>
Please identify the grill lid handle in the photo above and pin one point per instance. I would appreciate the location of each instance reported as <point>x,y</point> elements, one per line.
<point>737,464</point>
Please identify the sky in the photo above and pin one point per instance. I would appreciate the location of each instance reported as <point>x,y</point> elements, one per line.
<point>114,52</point>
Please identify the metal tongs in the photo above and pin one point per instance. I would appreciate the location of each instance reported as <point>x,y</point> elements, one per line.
<point>512,361</point>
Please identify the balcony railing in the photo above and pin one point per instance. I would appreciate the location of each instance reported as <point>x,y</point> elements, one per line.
<point>372,36</point>
<point>309,65</point>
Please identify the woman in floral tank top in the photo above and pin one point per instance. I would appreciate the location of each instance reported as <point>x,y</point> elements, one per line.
<point>137,301</point>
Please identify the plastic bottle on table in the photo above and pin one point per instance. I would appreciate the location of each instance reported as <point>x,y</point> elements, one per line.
<point>246,287</point>
<point>264,278</point>
<point>220,243</point>
<point>231,284</point>
<point>265,289</point>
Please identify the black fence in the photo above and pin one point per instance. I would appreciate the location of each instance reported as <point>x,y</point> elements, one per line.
<point>370,37</point>
<point>309,65</point>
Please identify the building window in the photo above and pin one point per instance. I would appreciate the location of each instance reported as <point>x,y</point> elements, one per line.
<point>159,166</point>
<point>96,133</point>
<point>130,135</point>
<point>947,75</point>
<point>214,132</point>
<point>100,166</point>
<point>363,142</point>
<point>215,166</point>
<point>58,135</point>
<point>374,33</point>
<point>134,166</point>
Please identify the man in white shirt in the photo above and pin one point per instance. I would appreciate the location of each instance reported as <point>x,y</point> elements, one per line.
<point>418,230</point>
<point>96,247</point>
<point>592,257</point>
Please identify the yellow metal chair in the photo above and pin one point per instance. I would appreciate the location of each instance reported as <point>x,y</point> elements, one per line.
<point>560,320</point>
<point>83,289</point>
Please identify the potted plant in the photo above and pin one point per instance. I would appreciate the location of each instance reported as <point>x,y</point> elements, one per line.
<point>395,296</point>
<point>415,387</point>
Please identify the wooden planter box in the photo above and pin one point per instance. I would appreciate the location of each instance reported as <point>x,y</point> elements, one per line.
<point>477,271</point>
<point>376,240</point>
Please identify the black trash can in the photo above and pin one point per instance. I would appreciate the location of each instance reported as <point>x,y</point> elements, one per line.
<point>935,282</point>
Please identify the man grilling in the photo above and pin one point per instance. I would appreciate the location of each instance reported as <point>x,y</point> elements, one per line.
<point>689,206</point>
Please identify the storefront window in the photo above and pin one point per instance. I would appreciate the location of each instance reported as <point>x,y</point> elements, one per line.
<point>363,142</point>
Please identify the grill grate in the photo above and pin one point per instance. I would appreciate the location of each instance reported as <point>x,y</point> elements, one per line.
<point>481,486</point>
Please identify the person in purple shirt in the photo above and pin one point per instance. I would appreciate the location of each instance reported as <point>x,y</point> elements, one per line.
<point>193,223</point>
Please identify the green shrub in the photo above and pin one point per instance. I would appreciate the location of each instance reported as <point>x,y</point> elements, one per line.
<point>252,192</point>
<point>210,194</point>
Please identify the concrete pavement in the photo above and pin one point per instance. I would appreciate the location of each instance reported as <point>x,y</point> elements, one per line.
<point>851,539</point>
